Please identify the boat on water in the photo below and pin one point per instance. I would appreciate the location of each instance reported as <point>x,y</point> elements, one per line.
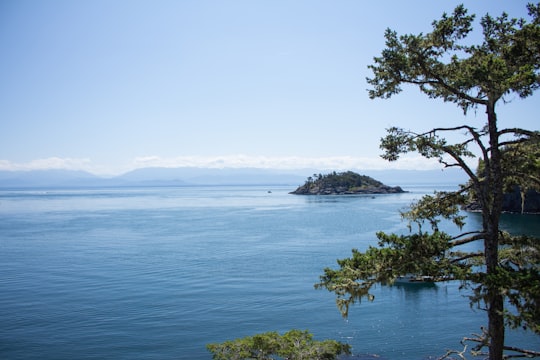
<point>414,279</point>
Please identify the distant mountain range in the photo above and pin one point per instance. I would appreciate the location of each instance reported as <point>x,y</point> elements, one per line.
<point>187,176</point>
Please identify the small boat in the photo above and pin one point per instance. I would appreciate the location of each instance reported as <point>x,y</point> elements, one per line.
<point>414,279</point>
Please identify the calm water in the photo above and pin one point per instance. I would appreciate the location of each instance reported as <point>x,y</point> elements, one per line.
<point>157,273</point>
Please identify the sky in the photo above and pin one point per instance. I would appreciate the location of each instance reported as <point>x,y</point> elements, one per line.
<point>108,86</point>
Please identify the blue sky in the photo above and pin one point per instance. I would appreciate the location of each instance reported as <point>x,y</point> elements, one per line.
<point>109,86</point>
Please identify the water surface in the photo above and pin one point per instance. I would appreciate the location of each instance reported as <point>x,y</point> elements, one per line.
<point>157,273</point>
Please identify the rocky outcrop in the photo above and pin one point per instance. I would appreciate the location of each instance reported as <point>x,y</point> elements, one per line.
<point>512,203</point>
<point>347,183</point>
<point>315,190</point>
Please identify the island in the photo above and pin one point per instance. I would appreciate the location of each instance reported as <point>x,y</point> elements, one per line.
<point>345,183</point>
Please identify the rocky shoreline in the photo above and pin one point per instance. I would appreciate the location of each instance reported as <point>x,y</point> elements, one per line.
<point>513,203</point>
<point>341,190</point>
<point>347,183</point>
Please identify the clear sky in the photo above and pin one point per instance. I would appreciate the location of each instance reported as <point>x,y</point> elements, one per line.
<point>112,85</point>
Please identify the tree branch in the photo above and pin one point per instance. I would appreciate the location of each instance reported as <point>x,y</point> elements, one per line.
<point>513,142</point>
<point>519,131</point>
<point>525,352</point>
<point>482,340</point>
<point>461,164</point>
<point>456,352</point>
<point>468,256</point>
<point>478,236</point>
<point>527,176</point>
<point>439,81</point>
<point>459,161</point>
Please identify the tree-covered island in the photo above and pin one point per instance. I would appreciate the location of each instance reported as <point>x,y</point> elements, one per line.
<point>344,183</point>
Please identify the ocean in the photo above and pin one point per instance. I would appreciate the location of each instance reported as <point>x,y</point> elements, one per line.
<point>159,272</point>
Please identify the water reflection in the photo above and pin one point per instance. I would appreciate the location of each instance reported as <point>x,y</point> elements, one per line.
<point>522,224</point>
<point>517,224</point>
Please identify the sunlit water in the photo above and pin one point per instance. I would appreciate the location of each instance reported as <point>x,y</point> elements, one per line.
<point>157,273</point>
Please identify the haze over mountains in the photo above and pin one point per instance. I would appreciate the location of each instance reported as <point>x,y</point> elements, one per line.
<point>191,176</point>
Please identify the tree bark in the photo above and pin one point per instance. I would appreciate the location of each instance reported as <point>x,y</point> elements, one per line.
<point>493,191</point>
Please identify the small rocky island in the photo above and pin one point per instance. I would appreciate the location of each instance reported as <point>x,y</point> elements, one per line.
<point>345,183</point>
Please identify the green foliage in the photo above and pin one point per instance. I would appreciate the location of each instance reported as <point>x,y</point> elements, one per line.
<point>292,345</point>
<point>434,208</point>
<point>348,180</point>
<point>419,253</point>
<point>518,278</point>
<point>520,162</point>
<point>442,65</point>
<point>430,145</point>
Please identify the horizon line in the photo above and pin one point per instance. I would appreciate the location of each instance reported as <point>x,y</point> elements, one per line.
<point>285,163</point>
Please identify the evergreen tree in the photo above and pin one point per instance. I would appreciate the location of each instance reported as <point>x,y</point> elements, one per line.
<point>293,345</point>
<point>443,66</point>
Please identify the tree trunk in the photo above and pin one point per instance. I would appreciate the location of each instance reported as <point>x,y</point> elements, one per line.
<point>491,215</point>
